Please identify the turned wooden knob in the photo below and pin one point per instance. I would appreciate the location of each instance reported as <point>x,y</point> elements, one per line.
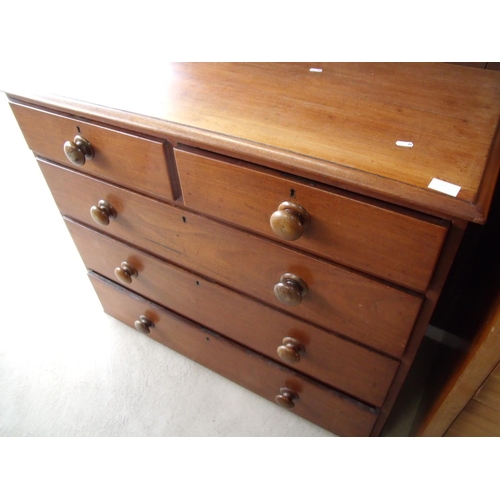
<point>143,325</point>
<point>102,213</point>
<point>290,289</point>
<point>286,398</point>
<point>290,350</point>
<point>125,273</point>
<point>78,150</point>
<point>289,221</point>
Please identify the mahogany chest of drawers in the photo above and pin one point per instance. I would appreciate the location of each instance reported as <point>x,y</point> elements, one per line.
<point>290,229</point>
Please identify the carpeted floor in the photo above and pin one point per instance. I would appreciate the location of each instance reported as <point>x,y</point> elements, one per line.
<point>68,369</point>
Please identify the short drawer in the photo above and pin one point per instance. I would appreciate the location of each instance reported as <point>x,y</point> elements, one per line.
<point>400,246</point>
<point>126,159</point>
<point>337,299</point>
<point>323,406</point>
<point>344,365</point>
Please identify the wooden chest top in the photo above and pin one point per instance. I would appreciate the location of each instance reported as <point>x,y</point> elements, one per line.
<point>386,130</point>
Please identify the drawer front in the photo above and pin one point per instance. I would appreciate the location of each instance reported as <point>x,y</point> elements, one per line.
<point>387,243</point>
<point>346,366</point>
<point>126,159</point>
<point>337,299</point>
<point>315,402</point>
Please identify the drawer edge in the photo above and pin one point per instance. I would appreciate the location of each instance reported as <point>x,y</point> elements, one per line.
<point>354,417</point>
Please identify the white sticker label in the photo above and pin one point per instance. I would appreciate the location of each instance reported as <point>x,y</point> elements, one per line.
<point>444,187</point>
<point>316,70</point>
<point>404,144</point>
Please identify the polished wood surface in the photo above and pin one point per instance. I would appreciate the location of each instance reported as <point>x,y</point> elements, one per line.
<point>450,248</point>
<point>480,417</point>
<point>78,151</point>
<point>286,398</point>
<point>338,299</point>
<point>339,126</point>
<point>344,365</point>
<point>289,221</point>
<point>143,324</point>
<point>476,420</point>
<point>120,157</point>
<point>305,229</point>
<point>290,289</point>
<point>290,350</point>
<point>380,239</point>
<point>489,393</point>
<point>103,213</point>
<point>125,272</point>
<point>466,378</point>
<point>325,407</point>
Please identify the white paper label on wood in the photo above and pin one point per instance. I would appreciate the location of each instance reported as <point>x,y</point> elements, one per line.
<point>444,187</point>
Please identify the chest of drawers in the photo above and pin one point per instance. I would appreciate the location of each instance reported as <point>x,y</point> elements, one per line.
<point>276,224</point>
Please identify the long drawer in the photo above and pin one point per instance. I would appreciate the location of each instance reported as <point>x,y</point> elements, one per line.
<point>398,245</point>
<point>338,299</point>
<point>319,404</point>
<point>344,365</point>
<point>127,159</point>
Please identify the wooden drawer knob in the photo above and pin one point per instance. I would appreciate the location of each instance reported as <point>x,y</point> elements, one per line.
<point>290,289</point>
<point>102,213</point>
<point>289,221</point>
<point>78,150</point>
<point>143,325</point>
<point>290,350</point>
<point>286,398</point>
<point>125,273</point>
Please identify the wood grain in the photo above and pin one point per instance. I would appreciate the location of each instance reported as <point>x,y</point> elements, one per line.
<point>120,157</point>
<point>339,126</point>
<point>340,300</point>
<point>476,420</point>
<point>356,232</point>
<point>353,114</point>
<point>451,246</point>
<point>325,407</point>
<point>344,365</point>
<point>489,392</point>
<point>467,377</point>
